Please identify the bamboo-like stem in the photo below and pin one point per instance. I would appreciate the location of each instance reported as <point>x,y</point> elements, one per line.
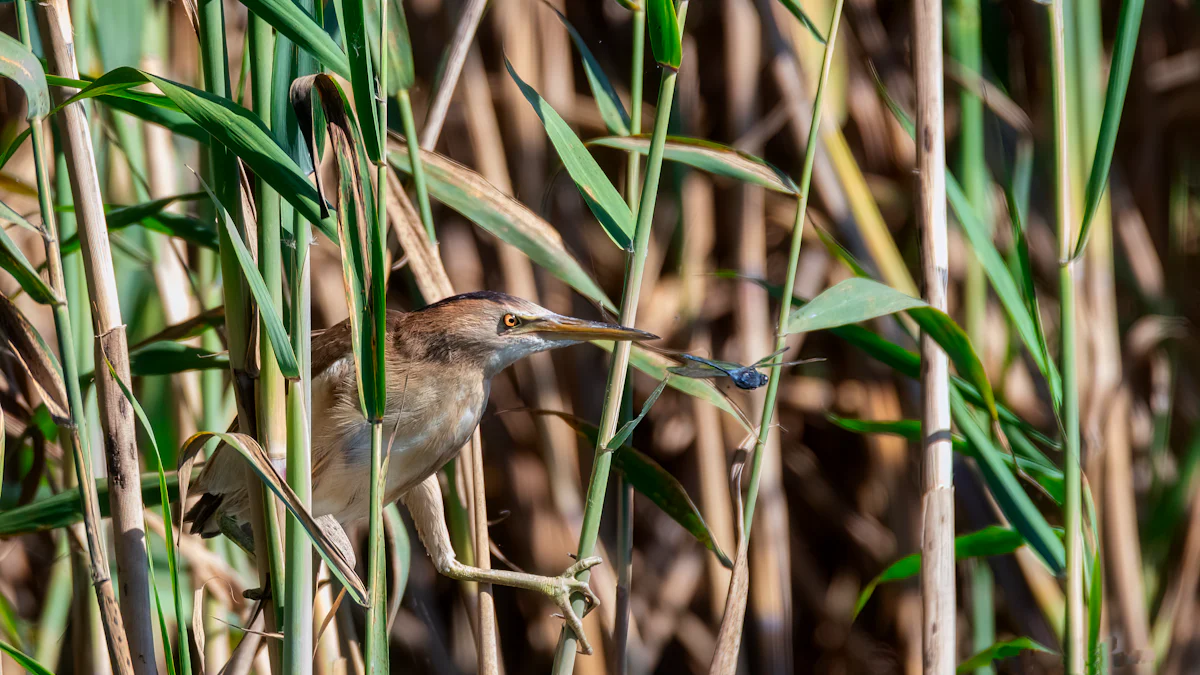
<point>1074,639</point>
<point>418,167</point>
<point>299,600</point>
<point>223,177</point>
<point>376,642</point>
<point>464,35</point>
<point>564,656</point>
<point>270,394</point>
<point>937,484</point>
<point>725,660</point>
<point>76,437</point>
<point>624,560</point>
<point>117,420</point>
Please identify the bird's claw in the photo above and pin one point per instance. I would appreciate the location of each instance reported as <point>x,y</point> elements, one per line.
<point>566,585</point>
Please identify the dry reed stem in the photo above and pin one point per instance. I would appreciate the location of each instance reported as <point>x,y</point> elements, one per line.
<point>464,36</point>
<point>116,415</point>
<point>937,501</point>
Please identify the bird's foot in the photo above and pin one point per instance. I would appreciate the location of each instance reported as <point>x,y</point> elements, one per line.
<point>560,589</point>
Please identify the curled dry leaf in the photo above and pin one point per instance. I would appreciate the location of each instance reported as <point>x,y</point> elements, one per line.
<point>27,348</point>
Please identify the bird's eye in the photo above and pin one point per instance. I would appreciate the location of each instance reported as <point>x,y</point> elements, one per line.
<point>511,320</point>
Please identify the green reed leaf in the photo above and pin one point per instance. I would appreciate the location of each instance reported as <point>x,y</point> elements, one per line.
<point>13,260</point>
<point>990,541</point>
<point>798,12</point>
<point>999,651</point>
<point>601,197</point>
<point>856,300</point>
<point>19,64</point>
<point>234,127</point>
<point>1128,25</point>
<point>665,41</point>
<point>276,333</point>
<point>607,102</point>
<point>301,28</point>
<point>714,158</point>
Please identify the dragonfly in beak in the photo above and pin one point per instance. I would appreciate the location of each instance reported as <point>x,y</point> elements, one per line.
<point>745,377</point>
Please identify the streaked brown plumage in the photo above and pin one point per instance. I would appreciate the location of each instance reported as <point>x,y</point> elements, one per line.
<point>440,363</point>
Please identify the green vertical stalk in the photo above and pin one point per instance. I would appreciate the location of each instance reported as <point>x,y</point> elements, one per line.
<point>624,561</point>
<point>965,46</point>
<point>564,656</point>
<point>216,75</point>
<point>636,75</point>
<point>1074,645</point>
<point>298,561</point>
<point>76,438</point>
<point>376,643</point>
<point>271,408</point>
<point>414,151</point>
<point>983,611</point>
<point>785,308</point>
<point>298,598</point>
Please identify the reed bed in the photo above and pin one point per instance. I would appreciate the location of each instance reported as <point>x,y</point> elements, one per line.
<point>822,466</point>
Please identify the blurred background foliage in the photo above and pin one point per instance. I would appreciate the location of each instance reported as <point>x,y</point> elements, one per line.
<point>839,502</point>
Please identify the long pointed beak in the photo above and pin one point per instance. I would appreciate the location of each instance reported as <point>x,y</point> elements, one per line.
<point>570,328</point>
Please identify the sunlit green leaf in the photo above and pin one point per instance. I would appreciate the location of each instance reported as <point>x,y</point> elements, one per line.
<point>990,541</point>
<point>856,300</point>
<point>65,509</point>
<point>237,129</point>
<point>19,64</point>
<point>13,260</point>
<point>717,159</point>
<point>1128,25</point>
<point>1000,651</point>
<point>609,104</point>
<point>798,12</point>
<point>277,334</point>
<point>601,197</point>
<point>289,19</point>
<point>665,41</point>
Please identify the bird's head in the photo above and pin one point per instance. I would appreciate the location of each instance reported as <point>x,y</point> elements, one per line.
<point>501,329</point>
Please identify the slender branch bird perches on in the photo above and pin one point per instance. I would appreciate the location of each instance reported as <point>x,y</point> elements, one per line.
<point>440,365</point>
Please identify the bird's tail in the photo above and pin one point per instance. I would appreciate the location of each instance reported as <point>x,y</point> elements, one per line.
<point>222,500</point>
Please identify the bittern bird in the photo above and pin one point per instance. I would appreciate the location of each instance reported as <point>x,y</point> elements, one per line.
<point>440,364</point>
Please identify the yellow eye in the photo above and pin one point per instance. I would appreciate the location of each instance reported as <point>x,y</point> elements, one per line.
<point>511,320</point>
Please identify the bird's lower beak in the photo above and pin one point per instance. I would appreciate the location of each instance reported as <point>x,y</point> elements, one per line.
<point>570,328</point>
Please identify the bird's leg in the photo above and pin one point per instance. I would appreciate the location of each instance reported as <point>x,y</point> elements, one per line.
<point>424,502</point>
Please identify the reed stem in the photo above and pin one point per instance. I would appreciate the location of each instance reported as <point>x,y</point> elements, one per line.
<point>271,408</point>
<point>76,436</point>
<point>624,561</point>
<point>1074,640</point>
<point>120,439</point>
<point>376,642</point>
<point>564,657</point>
<point>938,618</point>
<point>418,169</point>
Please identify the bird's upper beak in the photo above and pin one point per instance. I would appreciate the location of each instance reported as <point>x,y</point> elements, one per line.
<point>570,328</point>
